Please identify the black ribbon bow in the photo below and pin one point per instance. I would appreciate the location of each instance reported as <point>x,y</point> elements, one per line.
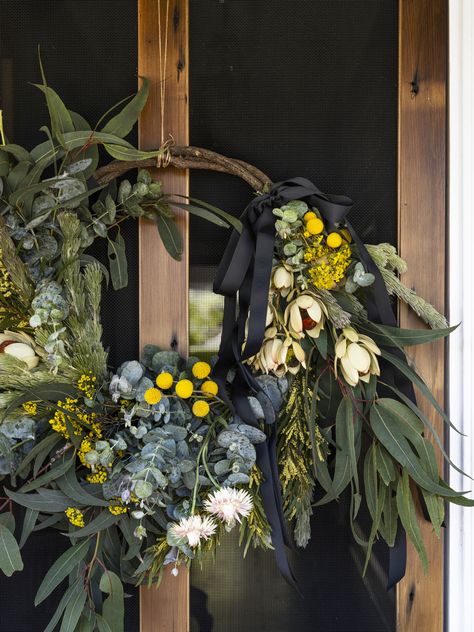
<point>243,278</point>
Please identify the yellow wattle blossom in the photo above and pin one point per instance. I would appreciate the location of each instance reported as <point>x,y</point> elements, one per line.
<point>201,370</point>
<point>58,421</point>
<point>152,396</point>
<point>30,408</point>
<point>164,380</point>
<point>116,510</point>
<point>75,516</point>
<point>87,384</point>
<point>7,288</point>
<point>99,476</point>
<point>326,265</point>
<point>201,408</point>
<point>184,389</point>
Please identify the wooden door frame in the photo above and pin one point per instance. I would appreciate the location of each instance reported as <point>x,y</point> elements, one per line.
<point>422,127</point>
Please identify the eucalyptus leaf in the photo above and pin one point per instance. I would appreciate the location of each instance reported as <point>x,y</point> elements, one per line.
<point>113,608</point>
<point>103,521</point>
<point>123,122</point>
<point>61,569</point>
<point>55,472</point>
<point>10,556</point>
<point>406,510</point>
<point>118,262</point>
<point>170,236</point>
<point>29,522</point>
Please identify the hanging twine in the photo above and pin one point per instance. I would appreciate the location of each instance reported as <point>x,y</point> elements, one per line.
<point>163,159</point>
<point>162,60</point>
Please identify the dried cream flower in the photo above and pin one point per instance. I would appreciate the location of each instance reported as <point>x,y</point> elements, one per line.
<point>357,356</point>
<point>229,505</point>
<point>194,529</point>
<point>305,315</point>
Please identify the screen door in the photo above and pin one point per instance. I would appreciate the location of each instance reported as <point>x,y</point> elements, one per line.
<point>295,89</point>
<point>312,88</point>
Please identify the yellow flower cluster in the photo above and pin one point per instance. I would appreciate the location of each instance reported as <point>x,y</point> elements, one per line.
<point>6,286</point>
<point>116,510</point>
<point>327,265</point>
<point>75,516</point>
<point>185,388</point>
<point>87,384</point>
<point>58,421</point>
<point>99,476</point>
<point>30,408</point>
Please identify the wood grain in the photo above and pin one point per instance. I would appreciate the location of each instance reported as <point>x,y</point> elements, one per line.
<point>422,239</point>
<point>163,281</point>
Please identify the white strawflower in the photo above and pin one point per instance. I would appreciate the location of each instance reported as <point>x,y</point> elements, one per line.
<point>229,504</point>
<point>194,529</point>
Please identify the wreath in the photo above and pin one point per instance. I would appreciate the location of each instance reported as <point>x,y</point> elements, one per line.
<point>149,465</point>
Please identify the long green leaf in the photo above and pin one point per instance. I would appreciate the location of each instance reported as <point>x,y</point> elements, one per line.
<point>49,503</point>
<point>55,472</point>
<point>104,520</point>
<point>387,336</point>
<point>385,465</point>
<point>70,486</point>
<point>170,236</point>
<point>123,122</point>
<point>61,569</point>
<point>406,510</point>
<point>385,427</point>
<point>61,121</point>
<point>118,262</point>
<point>130,153</point>
<point>389,523</point>
<point>202,213</point>
<point>113,608</point>
<point>419,383</point>
<point>380,494</point>
<point>29,521</point>
<point>230,219</point>
<point>46,392</point>
<point>73,609</point>
<point>424,418</point>
<point>78,140</point>
<point>435,506</point>
<point>10,556</point>
<point>65,599</point>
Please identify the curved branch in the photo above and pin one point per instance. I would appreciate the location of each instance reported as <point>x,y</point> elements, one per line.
<point>189,158</point>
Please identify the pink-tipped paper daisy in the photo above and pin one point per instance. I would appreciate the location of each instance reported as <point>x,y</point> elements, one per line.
<point>194,529</point>
<point>229,504</point>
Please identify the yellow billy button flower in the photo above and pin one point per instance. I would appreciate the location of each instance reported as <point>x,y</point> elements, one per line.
<point>184,389</point>
<point>334,240</point>
<point>209,387</point>
<point>315,226</point>
<point>164,380</point>
<point>201,370</point>
<point>152,396</point>
<point>309,215</point>
<point>201,408</point>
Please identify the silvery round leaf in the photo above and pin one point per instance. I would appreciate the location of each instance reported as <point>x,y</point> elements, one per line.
<point>186,465</point>
<point>143,385</point>
<point>177,432</point>
<point>253,434</point>
<point>222,467</point>
<point>143,489</point>
<point>237,479</point>
<point>131,371</point>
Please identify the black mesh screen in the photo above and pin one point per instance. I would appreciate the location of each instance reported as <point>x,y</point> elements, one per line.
<point>307,88</point>
<point>89,51</point>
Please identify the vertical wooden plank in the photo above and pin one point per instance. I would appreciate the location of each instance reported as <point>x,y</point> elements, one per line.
<point>164,282</point>
<point>422,239</point>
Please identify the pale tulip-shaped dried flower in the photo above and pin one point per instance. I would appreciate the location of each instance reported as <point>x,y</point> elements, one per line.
<point>356,354</point>
<point>194,529</point>
<point>20,346</point>
<point>305,315</point>
<point>229,505</point>
<point>283,279</point>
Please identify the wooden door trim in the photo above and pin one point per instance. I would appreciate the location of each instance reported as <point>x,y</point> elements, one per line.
<point>422,177</point>
<point>164,283</point>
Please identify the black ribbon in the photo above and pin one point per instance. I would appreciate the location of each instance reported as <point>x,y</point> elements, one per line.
<point>243,278</point>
